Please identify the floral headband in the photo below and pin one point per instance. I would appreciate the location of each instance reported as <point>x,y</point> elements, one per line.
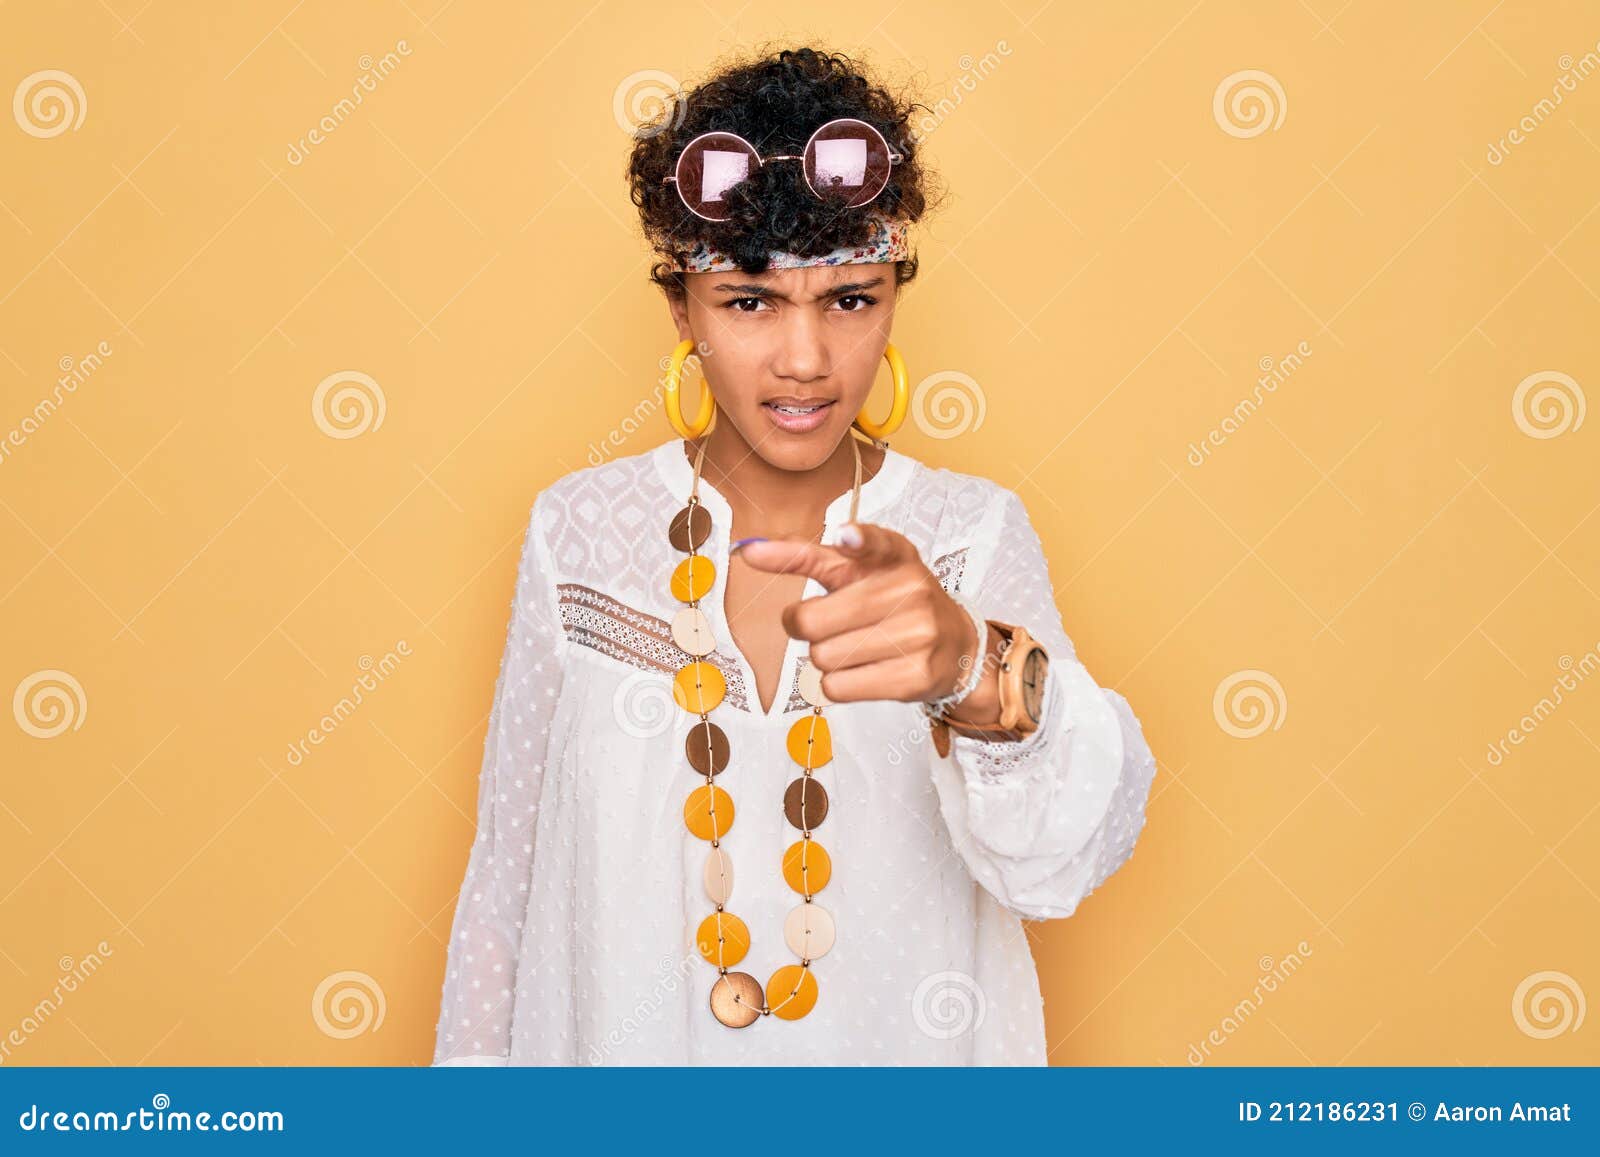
<point>887,243</point>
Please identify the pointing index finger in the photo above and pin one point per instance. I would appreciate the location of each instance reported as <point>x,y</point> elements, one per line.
<point>785,556</point>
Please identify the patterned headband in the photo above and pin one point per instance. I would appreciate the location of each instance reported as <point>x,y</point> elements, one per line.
<point>887,243</point>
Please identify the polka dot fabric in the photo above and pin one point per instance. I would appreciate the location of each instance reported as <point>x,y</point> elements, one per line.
<point>573,940</point>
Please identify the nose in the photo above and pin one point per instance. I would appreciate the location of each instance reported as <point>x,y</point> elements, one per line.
<point>802,354</point>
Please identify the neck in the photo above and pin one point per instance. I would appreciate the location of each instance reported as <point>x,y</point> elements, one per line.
<point>773,502</point>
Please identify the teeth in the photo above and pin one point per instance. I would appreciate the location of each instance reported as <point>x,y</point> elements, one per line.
<point>795,409</point>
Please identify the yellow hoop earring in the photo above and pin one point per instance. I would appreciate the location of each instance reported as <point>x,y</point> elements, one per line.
<point>674,397</point>
<point>897,409</point>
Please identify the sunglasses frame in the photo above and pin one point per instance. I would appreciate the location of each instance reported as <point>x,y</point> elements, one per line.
<point>894,159</point>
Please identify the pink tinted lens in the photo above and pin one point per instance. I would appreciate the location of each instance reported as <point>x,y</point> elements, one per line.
<point>847,160</point>
<point>709,166</point>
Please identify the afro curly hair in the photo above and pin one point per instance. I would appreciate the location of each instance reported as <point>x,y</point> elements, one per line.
<point>774,100</point>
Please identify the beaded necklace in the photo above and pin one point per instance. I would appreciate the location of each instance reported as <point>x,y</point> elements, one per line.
<point>737,998</point>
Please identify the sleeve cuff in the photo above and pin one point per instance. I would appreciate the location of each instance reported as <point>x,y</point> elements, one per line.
<point>993,760</point>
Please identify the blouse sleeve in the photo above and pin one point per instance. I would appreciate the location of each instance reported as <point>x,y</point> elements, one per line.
<point>1042,821</point>
<point>474,1026</point>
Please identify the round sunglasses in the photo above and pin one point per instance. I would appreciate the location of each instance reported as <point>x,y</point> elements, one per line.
<point>846,160</point>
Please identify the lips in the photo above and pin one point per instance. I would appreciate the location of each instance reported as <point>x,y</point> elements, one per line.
<point>793,403</point>
<point>798,415</point>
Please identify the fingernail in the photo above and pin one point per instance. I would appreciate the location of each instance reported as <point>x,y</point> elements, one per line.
<point>742,542</point>
<point>849,535</point>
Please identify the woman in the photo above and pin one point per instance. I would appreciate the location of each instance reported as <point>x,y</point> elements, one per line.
<point>788,738</point>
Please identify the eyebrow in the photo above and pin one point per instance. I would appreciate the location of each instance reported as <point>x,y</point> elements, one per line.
<point>754,289</point>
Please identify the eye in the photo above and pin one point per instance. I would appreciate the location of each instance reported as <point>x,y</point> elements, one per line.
<point>867,300</point>
<point>737,304</point>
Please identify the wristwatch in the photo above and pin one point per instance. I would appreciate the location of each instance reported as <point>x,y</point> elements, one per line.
<point>1023,667</point>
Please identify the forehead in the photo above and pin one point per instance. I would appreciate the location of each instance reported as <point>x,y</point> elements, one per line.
<point>801,284</point>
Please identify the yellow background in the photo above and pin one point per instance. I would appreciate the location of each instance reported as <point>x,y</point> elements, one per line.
<point>1383,538</point>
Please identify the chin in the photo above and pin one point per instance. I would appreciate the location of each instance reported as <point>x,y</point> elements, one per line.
<point>797,452</point>
<point>794,449</point>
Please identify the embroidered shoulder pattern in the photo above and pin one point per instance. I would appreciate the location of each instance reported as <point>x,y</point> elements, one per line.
<point>613,628</point>
<point>947,568</point>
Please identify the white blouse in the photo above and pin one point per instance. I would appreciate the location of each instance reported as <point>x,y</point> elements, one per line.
<point>573,938</point>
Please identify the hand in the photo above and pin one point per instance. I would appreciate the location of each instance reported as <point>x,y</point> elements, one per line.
<point>886,629</point>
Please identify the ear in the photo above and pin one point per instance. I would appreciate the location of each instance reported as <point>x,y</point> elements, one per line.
<point>678,306</point>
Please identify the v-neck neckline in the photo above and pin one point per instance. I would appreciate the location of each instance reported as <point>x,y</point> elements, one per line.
<point>677,473</point>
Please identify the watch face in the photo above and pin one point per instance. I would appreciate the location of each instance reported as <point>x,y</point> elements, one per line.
<point>1034,669</point>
